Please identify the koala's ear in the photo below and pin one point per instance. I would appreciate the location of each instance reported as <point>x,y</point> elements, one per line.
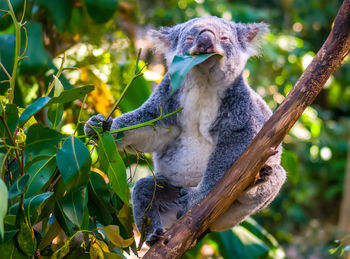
<point>250,36</point>
<point>164,38</point>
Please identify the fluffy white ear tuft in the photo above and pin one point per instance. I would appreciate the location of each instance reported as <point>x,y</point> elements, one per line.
<point>161,39</point>
<point>250,36</point>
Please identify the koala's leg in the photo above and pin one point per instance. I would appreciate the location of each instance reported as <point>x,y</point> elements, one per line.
<point>253,199</point>
<point>152,199</point>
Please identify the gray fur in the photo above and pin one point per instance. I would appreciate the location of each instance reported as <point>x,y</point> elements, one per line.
<point>221,116</point>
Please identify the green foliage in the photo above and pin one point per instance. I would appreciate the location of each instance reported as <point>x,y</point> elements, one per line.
<point>3,206</point>
<point>181,65</point>
<point>46,183</point>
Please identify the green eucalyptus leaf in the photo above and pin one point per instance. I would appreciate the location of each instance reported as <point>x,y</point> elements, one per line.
<point>11,120</point>
<point>31,204</point>
<point>33,108</point>
<point>113,165</point>
<point>74,204</point>
<point>136,95</point>
<point>239,243</point>
<point>9,250</point>
<point>40,137</point>
<point>72,94</point>
<point>60,11</point>
<point>26,239</point>
<point>3,206</point>
<point>40,173</point>
<point>11,114</point>
<point>55,111</point>
<point>99,199</point>
<point>73,161</point>
<point>37,158</point>
<point>181,65</point>
<point>251,225</point>
<point>18,187</point>
<point>101,11</point>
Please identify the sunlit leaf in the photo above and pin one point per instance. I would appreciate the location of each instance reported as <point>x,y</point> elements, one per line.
<point>18,187</point>
<point>73,161</point>
<point>3,206</point>
<point>181,65</point>
<point>96,251</point>
<point>33,108</point>
<point>239,243</point>
<point>40,137</point>
<point>252,226</point>
<point>113,233</point>
<point>55,111</point>
<point>112,163</point>
<point>72,94</point>
<point>73,205</point>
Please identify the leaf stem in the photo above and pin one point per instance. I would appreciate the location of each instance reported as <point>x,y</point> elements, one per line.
<point>60,70</point>
<point>17,57</point>
<point>136,75</point>
<point>13,143</point>
<point>147,123</point>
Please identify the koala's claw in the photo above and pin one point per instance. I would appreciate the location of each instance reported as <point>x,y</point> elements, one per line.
<point>153,237</point>
<point>187,197</point>
<point>97,121</point>
<point>264,174</point>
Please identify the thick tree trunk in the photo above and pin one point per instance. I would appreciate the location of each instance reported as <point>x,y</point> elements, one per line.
<point>182,235</point>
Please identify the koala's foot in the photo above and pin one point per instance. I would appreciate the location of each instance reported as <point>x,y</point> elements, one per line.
<point>264,174</point>
<point>188,197</point>
<point>153,236</point>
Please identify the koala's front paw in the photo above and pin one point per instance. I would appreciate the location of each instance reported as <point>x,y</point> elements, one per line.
<point>97,121</point>
<point>187,198</point>
<point>152,237</point>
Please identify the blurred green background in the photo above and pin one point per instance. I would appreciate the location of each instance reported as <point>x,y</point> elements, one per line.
<point>101,38</point>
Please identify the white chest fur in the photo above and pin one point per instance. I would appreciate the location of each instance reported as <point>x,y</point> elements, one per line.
<point>186,166</point>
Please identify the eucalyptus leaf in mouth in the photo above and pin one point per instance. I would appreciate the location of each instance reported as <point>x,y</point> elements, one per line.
<point>181,65</point>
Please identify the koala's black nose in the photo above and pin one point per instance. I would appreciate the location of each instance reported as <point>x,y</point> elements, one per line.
<point>205,42</point>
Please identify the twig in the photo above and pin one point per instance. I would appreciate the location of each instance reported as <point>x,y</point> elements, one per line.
<point>137,74</point>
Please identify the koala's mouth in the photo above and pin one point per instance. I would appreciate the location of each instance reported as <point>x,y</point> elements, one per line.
<point>210,63</point>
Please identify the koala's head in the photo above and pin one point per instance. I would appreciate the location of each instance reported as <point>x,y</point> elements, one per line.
<point>235,42</point>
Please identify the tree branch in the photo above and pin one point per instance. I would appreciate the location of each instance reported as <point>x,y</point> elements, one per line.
<point>182,235</point>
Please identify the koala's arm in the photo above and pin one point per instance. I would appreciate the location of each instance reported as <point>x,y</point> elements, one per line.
<point>148,138</point>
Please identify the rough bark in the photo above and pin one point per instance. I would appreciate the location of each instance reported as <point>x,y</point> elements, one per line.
<point>182,235</point>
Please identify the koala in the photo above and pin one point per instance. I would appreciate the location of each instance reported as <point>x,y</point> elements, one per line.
<point>194,148</point>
